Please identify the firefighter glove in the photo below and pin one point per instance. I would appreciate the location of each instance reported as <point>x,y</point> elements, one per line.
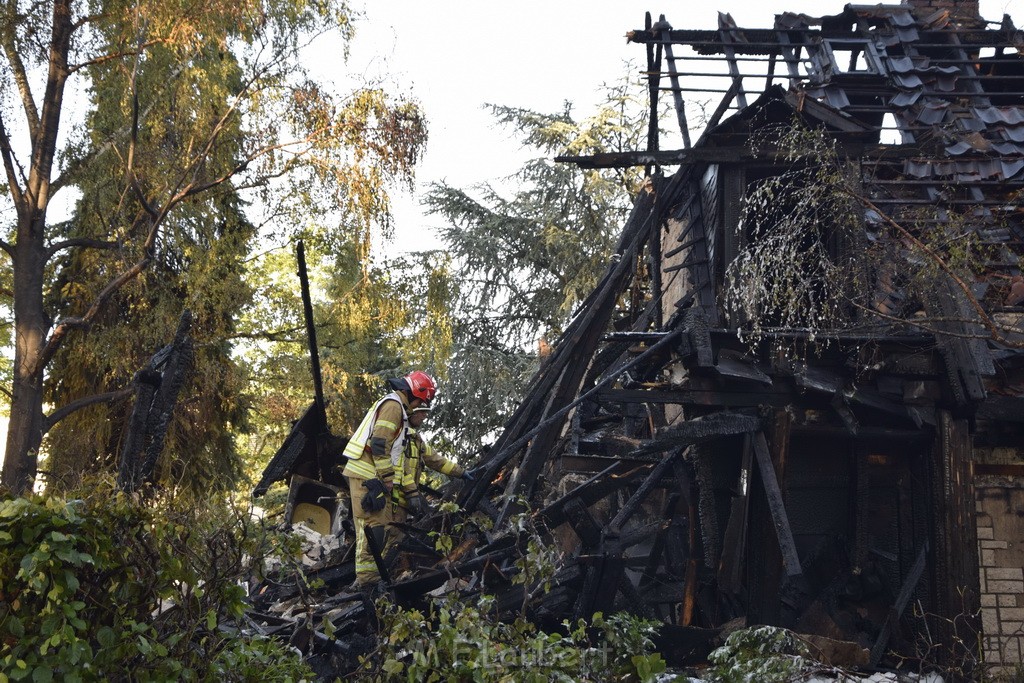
<point>468,475</point>
<point>376,495</point>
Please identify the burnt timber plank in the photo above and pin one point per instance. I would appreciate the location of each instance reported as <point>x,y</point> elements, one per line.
<point>730,564</point>
<point>589,492</point>
<point>628,510</point>
<point>735,368</point>
<point>602,579</point>
<point>964,354</point>
<point>697,333</point>
<point>658,546</point>
<point>605,576</point>
<point>700,430</point>
<point>775,504</point>
<point>720,154</point>
<point>643,533</point>
<point>906,591</point>
<point>1002,408</point>
<point>582,522</point>
<point>821,380</point>
<point>579,345</point>
<point>559,416</point>
<point>472,496</point>
<point>955,535</point>
<point>699,395</point>
<point>864,433</point>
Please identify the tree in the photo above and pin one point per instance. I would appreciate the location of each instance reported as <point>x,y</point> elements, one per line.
<point>527,260</point>
<point>194,102</point>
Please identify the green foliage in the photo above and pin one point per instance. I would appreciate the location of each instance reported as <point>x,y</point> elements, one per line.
<point>457,641</point>
<point>528,257</point>
<point>767,654</point>
<point>99,588</point>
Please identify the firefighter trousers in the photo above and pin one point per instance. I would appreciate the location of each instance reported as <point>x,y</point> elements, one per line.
<point>366,567</point>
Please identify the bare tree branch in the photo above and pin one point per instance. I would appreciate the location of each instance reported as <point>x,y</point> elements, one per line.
<point>116,55</point>
<point>84,242</point>
<point>60,331</point>
<point>78,404</point>
<point>11,166</point>
<point>20,74</point>
<point>983,316</point>
<point>44,141</point>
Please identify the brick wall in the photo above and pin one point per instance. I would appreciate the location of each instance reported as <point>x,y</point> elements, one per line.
<point>1000,506</point>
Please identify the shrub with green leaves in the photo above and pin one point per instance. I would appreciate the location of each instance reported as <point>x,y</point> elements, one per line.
<point>767,654</point>
<point>465,641</point>
<point>103,588</point>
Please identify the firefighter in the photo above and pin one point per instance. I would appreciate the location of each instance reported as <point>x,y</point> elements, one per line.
<point>378,443</point>
<point>406,494</point>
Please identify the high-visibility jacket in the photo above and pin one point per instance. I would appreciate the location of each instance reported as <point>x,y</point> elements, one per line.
<point>360,461</point>
<point>409,466</point>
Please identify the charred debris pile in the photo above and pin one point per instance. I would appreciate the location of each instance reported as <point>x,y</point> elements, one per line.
<point>685,476</point>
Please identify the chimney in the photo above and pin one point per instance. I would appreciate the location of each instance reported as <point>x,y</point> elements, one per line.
<point>964,12</point>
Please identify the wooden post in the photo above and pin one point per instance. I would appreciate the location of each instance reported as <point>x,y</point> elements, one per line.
<point>955,539</point>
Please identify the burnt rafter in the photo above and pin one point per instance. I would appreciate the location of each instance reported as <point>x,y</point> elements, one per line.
<point>700,430</point>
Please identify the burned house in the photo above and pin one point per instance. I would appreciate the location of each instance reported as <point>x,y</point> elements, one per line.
<point>860,479</point>
<point>864,482</point>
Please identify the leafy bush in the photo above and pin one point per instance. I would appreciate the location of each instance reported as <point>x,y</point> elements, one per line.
<point>766,654</point>
<point>102,588</point>
<point>461,641</point>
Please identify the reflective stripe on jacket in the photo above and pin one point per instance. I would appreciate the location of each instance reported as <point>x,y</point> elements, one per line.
<point>361,462</point>
<point>410,466</point>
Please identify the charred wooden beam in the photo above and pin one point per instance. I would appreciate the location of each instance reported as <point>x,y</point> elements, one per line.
<point>841,406</point>
<point>157,388</point>
<point>735,368</point>
<point>954,540</point>
<point>583,341</point>
<point>472,495</point>
<point>707,506</point>
<point>730,564</point>
<point>700,430</point>
<point>658,545</point>
<point>1002,408</point>
<point>863,432</point>
<point>640,534</point>
<point>722,154</point>
<point>861,515</point>
<point>906,591</point>
<point>701,394</point>
<point>603,577</point>
<point>414,588</point>
<point>589,492</point>
<point>612,446</point>
<point>615,526</point>
<point>697,342</point>
<point>583,523</point>
<point>775,504</point>
<point>821,380</point>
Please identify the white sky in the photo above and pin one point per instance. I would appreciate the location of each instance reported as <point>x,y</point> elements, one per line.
<point>455,57</point>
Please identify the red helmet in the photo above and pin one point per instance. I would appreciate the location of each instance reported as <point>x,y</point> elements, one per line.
<point>421,385</point>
